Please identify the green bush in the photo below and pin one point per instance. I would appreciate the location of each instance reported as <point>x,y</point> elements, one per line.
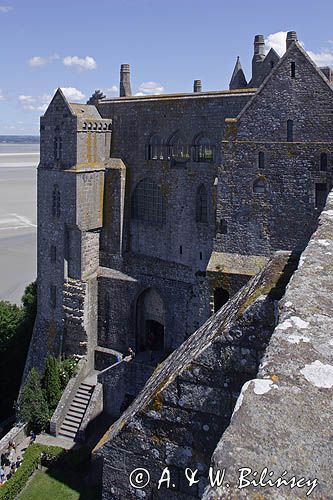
<point>51,383</point>
<point>13,486</point>
<point>68,368</point>
<point>33,406</point>
<point>47,456</point>
<point>16,325</point>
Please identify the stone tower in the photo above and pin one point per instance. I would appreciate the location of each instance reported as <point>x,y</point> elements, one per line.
<point>75,143</point>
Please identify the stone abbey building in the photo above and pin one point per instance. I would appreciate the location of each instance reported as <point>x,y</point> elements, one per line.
<point>154,210</point>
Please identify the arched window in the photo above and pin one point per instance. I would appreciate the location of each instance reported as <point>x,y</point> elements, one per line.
<point>155,148</point>
<point>323,161</point>
<point>204,150</point>
<point>56,201</point>
<point>202,204</point>
<point>148,203</point>
<point>178,150</point>
<point>221,297</point>
<point>261,160</point>
<point>290,130</point>
<point>259,186</point>
<point>57,145</point>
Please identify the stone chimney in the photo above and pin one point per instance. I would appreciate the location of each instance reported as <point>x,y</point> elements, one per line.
<point>259,47</point>
<point>125,81</point>
<point>257,59</point>
<point>291,37</point>
<point>197,86</point>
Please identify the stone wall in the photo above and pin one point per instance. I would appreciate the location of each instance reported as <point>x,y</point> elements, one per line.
<point>283,418</point>
<point>187,403</point>
<point>284,214</point>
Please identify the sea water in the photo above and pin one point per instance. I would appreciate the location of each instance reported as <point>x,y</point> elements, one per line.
<point>18,175</point>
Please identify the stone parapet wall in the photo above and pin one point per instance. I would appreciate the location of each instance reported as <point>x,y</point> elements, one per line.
<point>67,397</point>
<point>283,418</point>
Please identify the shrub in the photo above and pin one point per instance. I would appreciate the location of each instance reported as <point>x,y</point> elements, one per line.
<point>16,325</point>
<point>47,456</point>
<point>13,486</point>
<point>33,406</point>
<point>35,455</point>
<point>68,369</point>
<point>51,383</point>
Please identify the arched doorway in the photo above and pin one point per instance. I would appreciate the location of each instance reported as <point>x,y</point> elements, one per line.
<point>221,297</point>
<point>150,322</point>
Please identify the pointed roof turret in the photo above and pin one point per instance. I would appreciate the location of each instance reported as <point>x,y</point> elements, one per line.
<point>238,80</point>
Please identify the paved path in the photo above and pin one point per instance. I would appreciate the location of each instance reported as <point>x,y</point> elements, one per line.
<point>49,440</point>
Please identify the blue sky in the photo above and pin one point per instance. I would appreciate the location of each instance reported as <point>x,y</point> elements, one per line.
<point>79,45</point>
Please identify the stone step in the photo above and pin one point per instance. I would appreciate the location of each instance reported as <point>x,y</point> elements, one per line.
<point>73,313</point>
<point>82,398</point>
<point>69,426</point>
<point>67,434</point>
<point>80,403</point>
<point>75,414</point>
<point>86,386</point>
<point>73,289</point>
<point>85,389</point>
<point>74,419</point>
<point>77,409</point>
<point>84,393</point>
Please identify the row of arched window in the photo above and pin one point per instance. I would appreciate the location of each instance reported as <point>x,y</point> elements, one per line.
<point>96,126</point>
<point>176,148</point>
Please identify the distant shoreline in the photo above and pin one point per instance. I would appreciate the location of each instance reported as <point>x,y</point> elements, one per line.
<point>19,139</point>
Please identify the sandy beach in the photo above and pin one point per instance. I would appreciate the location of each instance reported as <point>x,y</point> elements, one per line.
<point>17,218</point>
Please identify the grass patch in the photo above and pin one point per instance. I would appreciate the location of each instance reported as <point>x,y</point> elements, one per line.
<point>57,484</point>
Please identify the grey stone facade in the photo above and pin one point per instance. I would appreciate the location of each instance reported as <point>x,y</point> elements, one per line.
<point>154,210</point>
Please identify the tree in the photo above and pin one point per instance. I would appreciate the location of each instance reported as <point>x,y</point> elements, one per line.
<point>16,325</point>
<point>10,319</point>
<point>29,301</point>
<point>51,383</point>
<point>33,406</point>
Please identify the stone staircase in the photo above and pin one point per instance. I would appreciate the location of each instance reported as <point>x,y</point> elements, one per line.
<point>77,410</point>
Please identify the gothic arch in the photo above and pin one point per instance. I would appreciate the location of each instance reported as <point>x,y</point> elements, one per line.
<point>148,202</point>
<point>203,148</point>
<point>155,148</point>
